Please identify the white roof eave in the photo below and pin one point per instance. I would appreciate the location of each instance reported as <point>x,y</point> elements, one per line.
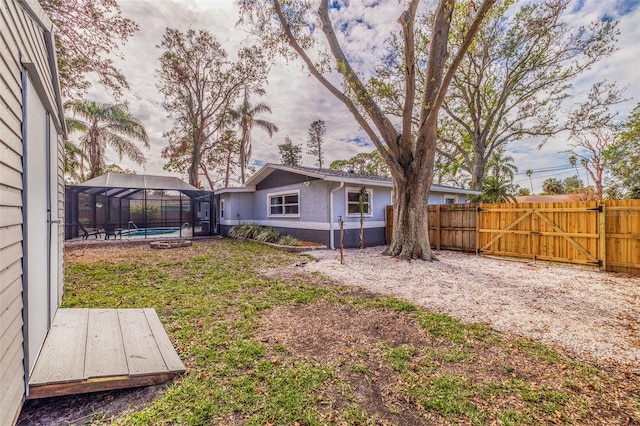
<point>235,190</point>
<point>358,181</point>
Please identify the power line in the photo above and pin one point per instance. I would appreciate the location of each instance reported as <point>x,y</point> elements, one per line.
<point>546,169</point>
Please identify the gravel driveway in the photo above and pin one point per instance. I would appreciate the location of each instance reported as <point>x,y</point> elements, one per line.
<point>593,315</point>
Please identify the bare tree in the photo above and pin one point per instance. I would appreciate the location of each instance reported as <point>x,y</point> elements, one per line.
<point>314,141</point>
<point>87,32</point>
<point>590,147</point>
<point>408,149</point>
<point>199,85</point>
<point>594,132</point>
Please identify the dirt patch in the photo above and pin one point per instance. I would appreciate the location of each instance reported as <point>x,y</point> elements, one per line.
<point>357,341</point>
<point>591,314</point>
<point>353,340</point>
<point>86,408</point>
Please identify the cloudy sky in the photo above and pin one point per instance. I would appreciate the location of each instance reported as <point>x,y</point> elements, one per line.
<point>296,99</point>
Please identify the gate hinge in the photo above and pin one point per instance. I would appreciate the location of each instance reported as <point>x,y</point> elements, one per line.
<point>598,263</point>
<point>596,209</point>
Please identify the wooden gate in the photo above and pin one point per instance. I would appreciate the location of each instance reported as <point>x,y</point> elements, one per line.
<point>452,226</point>
<point>562,232</point>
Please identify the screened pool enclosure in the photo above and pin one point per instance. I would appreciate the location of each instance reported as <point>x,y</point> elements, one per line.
<point>125,206</point>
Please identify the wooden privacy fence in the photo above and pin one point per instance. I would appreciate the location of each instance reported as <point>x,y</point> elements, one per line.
<point>451,226</point>
<point>604,234</point>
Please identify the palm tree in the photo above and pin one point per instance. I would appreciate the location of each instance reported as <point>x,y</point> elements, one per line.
<point>497,190</point>
<point>245,116</point>
<point>529,173</point>
<point>552,186</point>
<point>74,160</point>
<point>500,165</point>
<point>573,160</point>
<point>106,125</point>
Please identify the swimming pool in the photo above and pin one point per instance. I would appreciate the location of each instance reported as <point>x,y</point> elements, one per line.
<point>141,232</point>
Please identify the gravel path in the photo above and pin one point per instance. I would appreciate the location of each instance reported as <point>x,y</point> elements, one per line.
<point>594,315</point>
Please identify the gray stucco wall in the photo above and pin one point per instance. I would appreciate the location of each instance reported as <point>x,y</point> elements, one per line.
<point>314,203</point>
<point>372,237</point>
<point>381,198</point>
<point>236,203</point>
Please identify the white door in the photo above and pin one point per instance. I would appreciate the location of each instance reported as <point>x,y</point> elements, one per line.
<point>55,288</point>
<point>37,249</point>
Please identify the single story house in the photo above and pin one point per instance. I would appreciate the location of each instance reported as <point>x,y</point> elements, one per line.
<point>308,203</point>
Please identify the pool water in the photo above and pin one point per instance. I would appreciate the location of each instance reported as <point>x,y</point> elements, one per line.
<point>149,231</point>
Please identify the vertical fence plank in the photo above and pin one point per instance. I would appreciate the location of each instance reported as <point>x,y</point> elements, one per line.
<point>602,228</point>
<point>438,231</point>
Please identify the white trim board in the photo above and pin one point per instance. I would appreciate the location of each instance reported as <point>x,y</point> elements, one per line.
<point>314,226</point>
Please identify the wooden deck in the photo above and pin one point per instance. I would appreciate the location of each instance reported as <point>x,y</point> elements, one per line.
<point>91,350</point>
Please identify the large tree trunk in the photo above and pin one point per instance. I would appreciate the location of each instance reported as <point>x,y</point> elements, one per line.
<point>194,168</point>
<point>410,227</point>
<point>479,164</point>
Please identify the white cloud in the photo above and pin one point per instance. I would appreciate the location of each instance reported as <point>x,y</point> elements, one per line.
<point>297,99</point>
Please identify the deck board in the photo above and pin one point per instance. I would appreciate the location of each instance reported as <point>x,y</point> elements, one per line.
<point>171,358</point>
<point>143,355</point>
<point>63,353</point>
<point>105,349</point>
<point>90,350</point>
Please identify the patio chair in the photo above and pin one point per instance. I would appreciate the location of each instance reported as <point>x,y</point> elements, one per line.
<point>86,233</point>
<point>111,229</point>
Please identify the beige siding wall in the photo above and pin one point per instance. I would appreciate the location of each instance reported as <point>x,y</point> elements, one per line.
<point>22,39</point>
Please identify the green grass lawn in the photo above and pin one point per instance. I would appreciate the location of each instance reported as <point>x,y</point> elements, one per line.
<point>343,356</point>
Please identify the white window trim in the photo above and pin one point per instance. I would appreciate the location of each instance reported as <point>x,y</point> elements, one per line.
<point>455,198</point>
<point>346,201</point>
<point>283,194</point>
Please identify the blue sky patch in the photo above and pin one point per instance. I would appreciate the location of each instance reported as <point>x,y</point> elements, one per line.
<point>578,6</point>
<point>360,141</point>
<point>624,7</point>
<point>335,4</point>
<point>620,8</point>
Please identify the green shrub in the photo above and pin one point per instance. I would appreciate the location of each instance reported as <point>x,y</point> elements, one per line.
<point>251,231</point>
<point>268,235</point>
<point>247,230</point>
<point>288,240</point>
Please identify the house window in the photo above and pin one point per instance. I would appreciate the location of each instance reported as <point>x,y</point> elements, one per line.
<point>450,199</point>
<point>284,204</point>
<point>221,209</point>
<point>353,202</point>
